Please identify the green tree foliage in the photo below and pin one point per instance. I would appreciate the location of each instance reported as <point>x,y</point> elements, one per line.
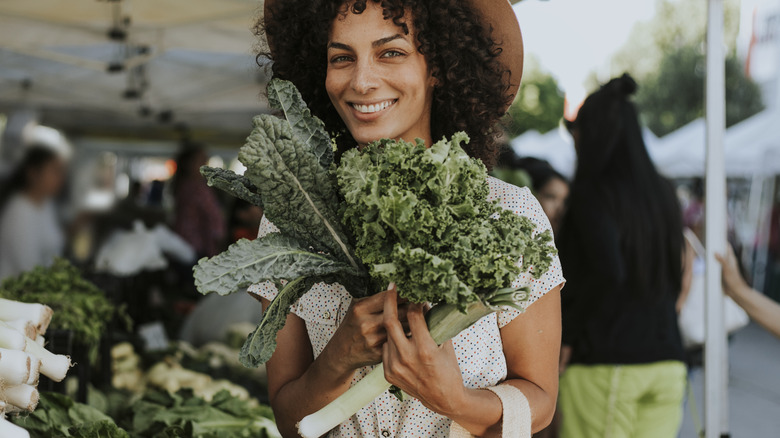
<point>538,105</point>
<point>666,57</point>
<point>674,95</point>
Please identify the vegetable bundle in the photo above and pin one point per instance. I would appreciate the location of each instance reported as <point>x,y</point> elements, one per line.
<point>395,211</point>
<point>23,359</point>
<point>79,306</point>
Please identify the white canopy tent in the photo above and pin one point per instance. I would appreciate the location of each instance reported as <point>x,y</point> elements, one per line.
<point>133,69</point>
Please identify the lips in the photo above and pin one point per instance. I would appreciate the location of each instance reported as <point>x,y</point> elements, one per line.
<point>374,107</point>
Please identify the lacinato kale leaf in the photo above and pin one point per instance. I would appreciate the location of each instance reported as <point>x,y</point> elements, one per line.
<point>310,130</point>
<point>230,182</point>
<point>274,257</point>
<point>298,194</point>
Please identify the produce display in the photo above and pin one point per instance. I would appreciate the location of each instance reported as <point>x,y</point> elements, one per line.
<point>155,414</point>
<point>79,306</point>
<point>169,374</point>
<point>395,211</point>
<point>23,359</point>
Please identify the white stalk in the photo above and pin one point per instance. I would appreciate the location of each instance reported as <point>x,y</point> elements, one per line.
<point>21,396</point>
<point>11,339</point>
<point>53,366</point>
<point>40,340</point>
<point>24,326</point>
<point>39,314</point>
<point>10,430</point>
<point>35,371</point>
<point>444,323</point>
<point>14,366</point>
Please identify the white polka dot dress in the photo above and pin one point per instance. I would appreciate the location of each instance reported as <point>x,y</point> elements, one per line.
<point>479,348</point>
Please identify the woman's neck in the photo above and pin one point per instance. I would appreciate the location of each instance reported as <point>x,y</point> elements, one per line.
<point>37,197</point>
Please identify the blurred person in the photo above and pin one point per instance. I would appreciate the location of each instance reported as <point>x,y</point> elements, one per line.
<point>621,245</point>
<point>244,220</point>
<point>30,231</point>
<point>198,216</point>
<point>758,306</point>
<point>550,187</point>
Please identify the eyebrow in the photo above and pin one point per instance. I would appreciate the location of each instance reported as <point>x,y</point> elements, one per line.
<point>378,43</point>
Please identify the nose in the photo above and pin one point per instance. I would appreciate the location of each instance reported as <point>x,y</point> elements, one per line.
<point>364,78</point>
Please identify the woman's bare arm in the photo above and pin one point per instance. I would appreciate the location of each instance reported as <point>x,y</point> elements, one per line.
<point>761,308</point>
<point>298,384</point>
<point>426,371</point>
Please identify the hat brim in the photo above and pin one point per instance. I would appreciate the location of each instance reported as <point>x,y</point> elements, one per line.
<point>497,15</point>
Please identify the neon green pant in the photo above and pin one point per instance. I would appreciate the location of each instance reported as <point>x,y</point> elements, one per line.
<point>622,401</point>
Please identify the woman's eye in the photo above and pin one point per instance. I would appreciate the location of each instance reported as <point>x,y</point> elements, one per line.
<point>339,59</point>
<point>392,54</point>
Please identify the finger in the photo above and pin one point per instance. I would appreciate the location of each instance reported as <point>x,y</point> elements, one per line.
<point>418,327</point>
<point>374,303</point>
<point>395,330</point>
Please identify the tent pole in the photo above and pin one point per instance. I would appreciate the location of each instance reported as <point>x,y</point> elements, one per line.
<point>715,358</point>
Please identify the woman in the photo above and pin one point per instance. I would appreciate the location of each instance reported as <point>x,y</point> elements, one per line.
<point>30,232</point>
<point>409,69</point>
<point>621,246</point>
<point>199,217</point>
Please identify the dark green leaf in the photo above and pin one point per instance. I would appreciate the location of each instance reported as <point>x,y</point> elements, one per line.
<point>273,257</point>
<point>307,128</point>
<point>260,344</point>
<point>230,182</point>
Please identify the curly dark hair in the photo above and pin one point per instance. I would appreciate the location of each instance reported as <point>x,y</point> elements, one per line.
<point>472,84</point>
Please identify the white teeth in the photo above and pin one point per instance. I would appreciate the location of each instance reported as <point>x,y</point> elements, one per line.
<point>367,109</point>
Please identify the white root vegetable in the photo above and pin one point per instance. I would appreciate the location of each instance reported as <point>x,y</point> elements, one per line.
<point>53,366</point>
<point>24,326</point>
<point>14,367</point>
<point>10,430</point>
<point>35,371</point>
<point>11,339</point>
<point>39,314</point>
<point>2,409</point>
<point>40,340</point>
<point>21,396</point>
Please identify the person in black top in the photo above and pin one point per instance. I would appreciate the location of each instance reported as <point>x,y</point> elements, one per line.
<point>621,246</point>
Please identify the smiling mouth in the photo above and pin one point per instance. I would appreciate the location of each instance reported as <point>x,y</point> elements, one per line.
<point>373,108</point>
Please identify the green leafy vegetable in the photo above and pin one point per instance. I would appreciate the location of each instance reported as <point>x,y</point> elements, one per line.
<point>308,129</point>
<point>230,182</point>
<point>298,195</point>
<point>422,220</point>
<point>274,257</point>
<point>79,306</point>
<point>58,416</point>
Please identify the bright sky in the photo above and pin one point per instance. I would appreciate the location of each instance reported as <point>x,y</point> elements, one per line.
<point>572,38</point>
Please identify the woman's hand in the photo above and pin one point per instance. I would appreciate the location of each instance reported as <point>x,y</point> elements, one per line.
<point>733,282</point>
<point>359,339</point>
<point>418,366</point>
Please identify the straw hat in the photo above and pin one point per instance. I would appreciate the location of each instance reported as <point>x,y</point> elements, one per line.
<point>498,16</point>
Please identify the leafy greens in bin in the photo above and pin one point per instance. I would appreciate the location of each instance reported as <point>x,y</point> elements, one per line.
<point>396,211</point>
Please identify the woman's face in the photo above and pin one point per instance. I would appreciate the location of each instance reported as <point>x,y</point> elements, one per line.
<point>377,80</point>
<point>48,179</point>
<point>552,197</point>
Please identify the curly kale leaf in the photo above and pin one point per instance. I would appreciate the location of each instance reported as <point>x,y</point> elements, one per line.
<point>310,130</point>
<point>230,182</point>
<point>421,218</point>
<point>273,257</point>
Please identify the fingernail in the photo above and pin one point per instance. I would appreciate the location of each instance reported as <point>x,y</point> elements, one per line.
<point>391,286</point>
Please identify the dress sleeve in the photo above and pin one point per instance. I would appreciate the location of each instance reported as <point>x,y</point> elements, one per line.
<point>523,203</point>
